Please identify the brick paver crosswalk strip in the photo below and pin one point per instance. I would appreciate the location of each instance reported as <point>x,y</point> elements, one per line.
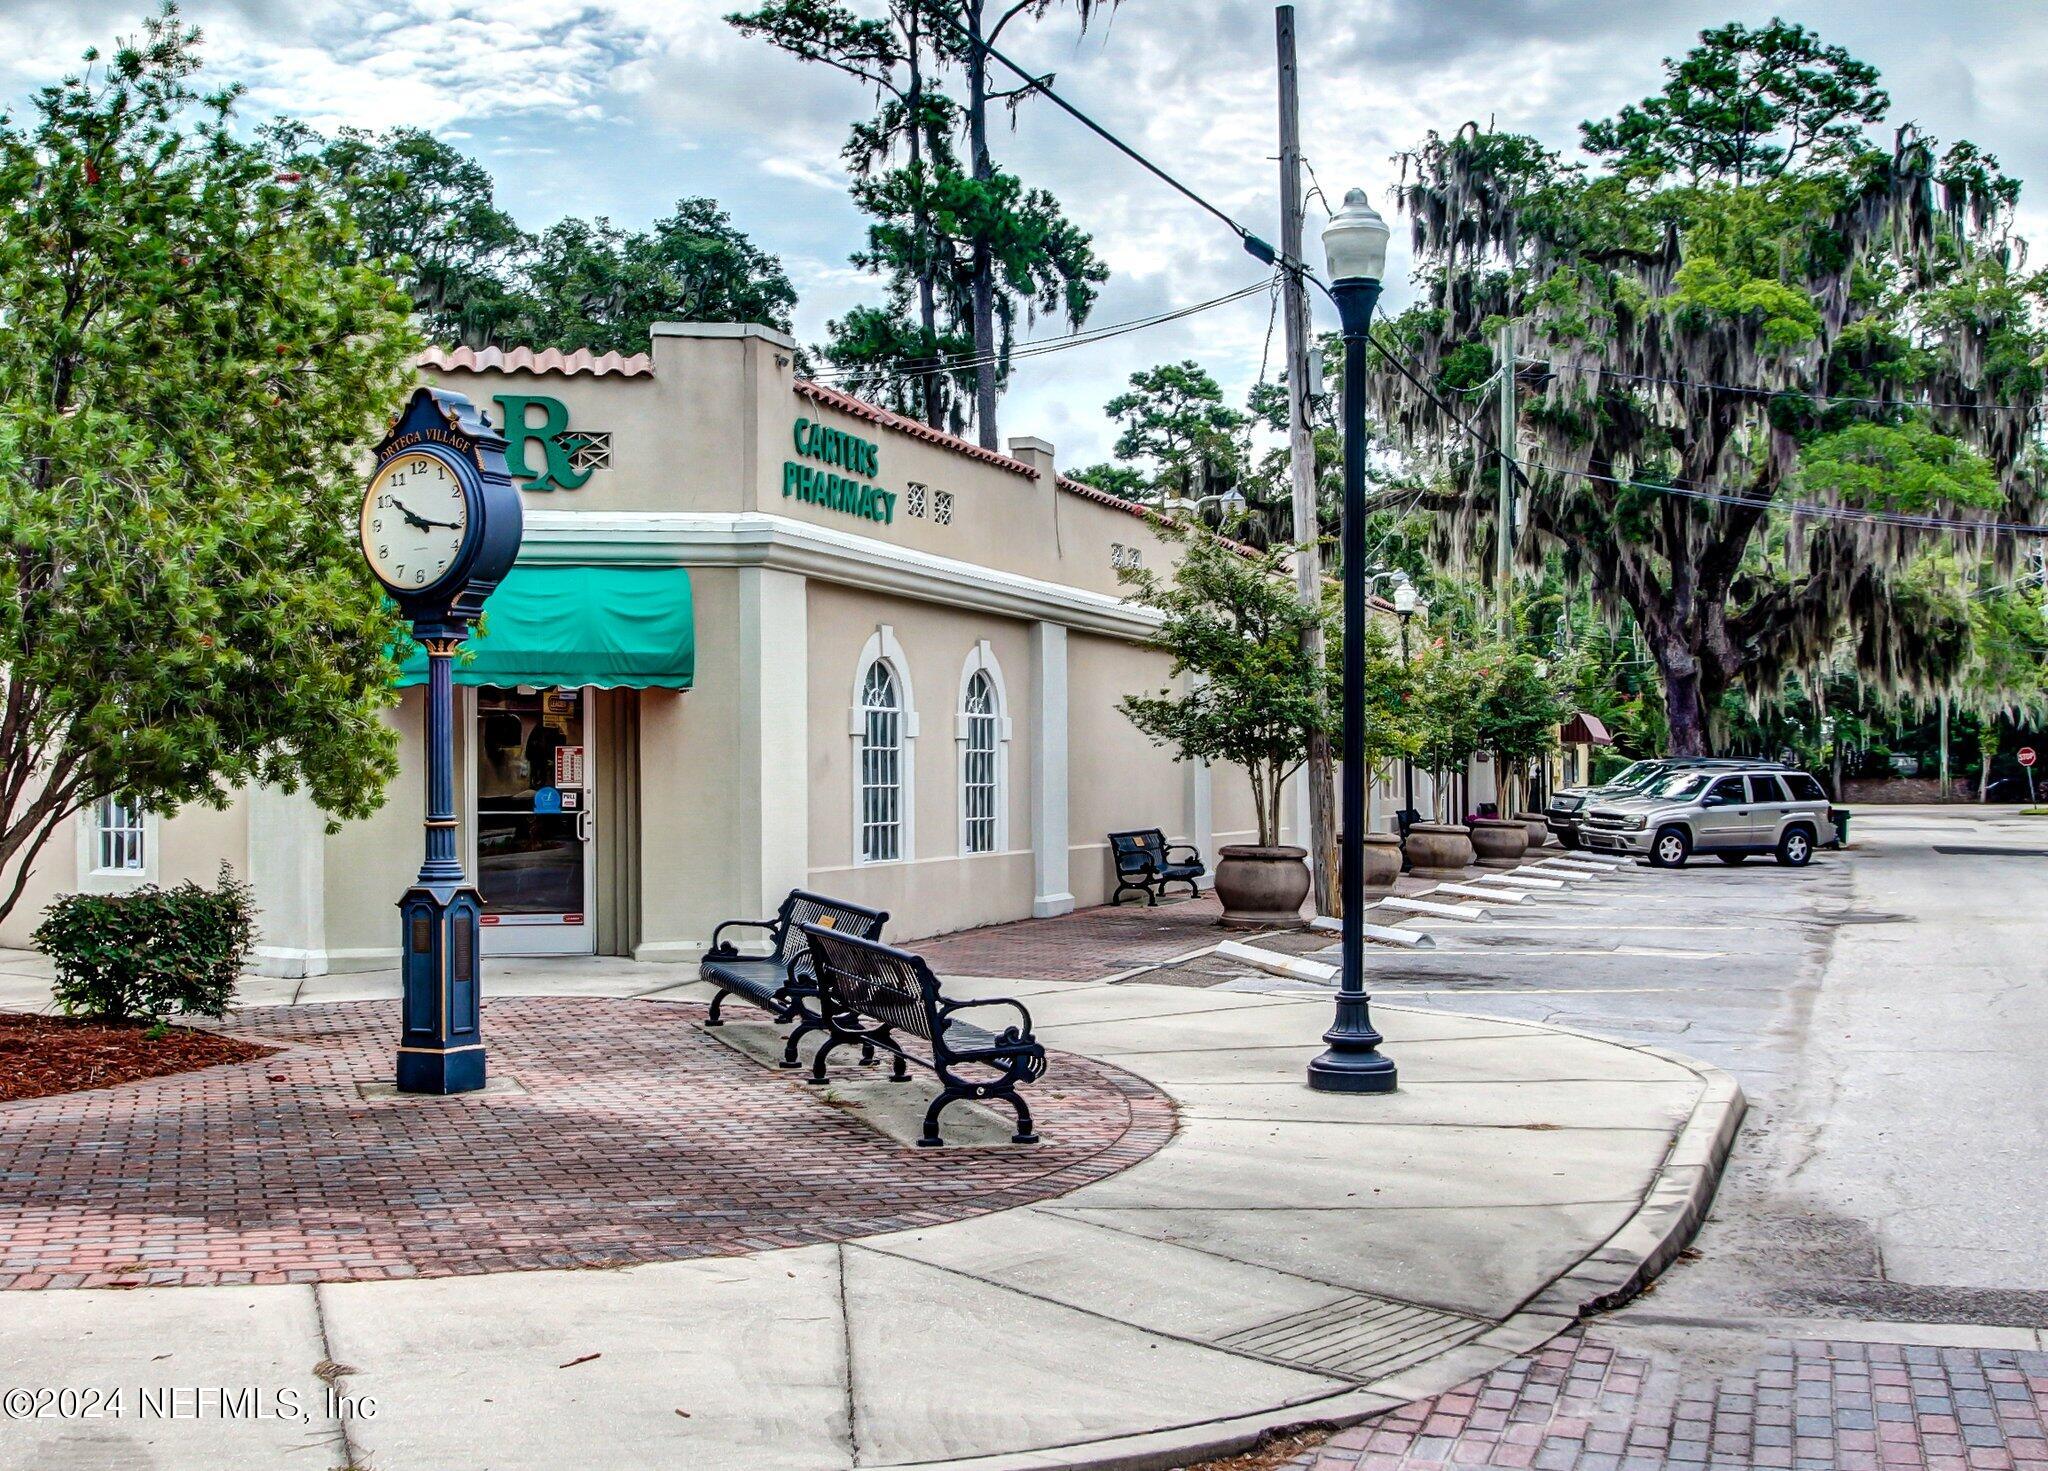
<point>1585,1403</point>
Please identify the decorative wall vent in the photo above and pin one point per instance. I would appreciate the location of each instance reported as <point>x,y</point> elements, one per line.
<point>913,499</point>
<point>588,449</point>
<point>1122,557</point>
<point>942,507</point>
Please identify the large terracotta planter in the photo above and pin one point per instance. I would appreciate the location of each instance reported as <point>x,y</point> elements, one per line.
<point>1261,887</point>
<point>1439,850</point>
<point>1382,854</point>
<point>1500,842</point>
<point>1539,830</point>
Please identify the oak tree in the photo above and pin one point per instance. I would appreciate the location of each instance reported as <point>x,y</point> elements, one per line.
<point>1766,361</point>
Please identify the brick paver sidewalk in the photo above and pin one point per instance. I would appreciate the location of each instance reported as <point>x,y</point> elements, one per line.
<point>1586,1403</point>
<point>1083,946</point>
<point>636,1138</point>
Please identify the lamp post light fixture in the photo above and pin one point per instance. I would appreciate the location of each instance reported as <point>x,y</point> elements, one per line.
<point>1355,245</point>
<point>1232,501</point>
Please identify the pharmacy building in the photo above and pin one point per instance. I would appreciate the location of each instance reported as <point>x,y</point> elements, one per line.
<point>761,635</point>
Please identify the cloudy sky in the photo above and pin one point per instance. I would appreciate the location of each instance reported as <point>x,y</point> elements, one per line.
<point>618,107</point>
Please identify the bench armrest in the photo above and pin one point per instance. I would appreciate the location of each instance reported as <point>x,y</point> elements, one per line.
<point>724,951</point>
<point>1188,848</point>
<point>947,1008</point>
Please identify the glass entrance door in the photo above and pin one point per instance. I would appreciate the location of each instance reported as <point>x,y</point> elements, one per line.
<point>533,821</point>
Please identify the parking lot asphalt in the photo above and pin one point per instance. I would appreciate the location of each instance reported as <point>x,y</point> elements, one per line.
<point>1875,1007</point>
<point>1871,1287</point>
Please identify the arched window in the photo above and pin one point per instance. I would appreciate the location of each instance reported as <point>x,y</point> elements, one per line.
<point>881,766</point>
<point>982,732</point>
<point>978,766</point>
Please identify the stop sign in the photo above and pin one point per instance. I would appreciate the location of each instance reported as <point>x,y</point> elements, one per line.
<point>2026,755</point>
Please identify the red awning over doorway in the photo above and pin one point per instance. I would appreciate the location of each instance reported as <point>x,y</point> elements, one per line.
<point>1585,730</point>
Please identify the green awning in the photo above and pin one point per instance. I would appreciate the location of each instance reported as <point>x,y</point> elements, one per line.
<point>614,627</point>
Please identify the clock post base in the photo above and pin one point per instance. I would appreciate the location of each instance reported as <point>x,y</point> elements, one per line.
<point>441,1047</point>
<point>459,1070</point>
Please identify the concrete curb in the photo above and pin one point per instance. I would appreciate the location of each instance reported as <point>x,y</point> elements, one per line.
<point>1639,1250</point>
<point>1293,967</point>
<point>1671,1214</point>
<point>1507,895</point>
<point>1471,913</point>
<point>1385,934</point>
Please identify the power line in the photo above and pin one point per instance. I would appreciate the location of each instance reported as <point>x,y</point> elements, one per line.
<point>1262,251</point>
<point>1042,346</point>
<point>1825,399</point>
<point>1909,519</point>
<point>1258,248</point>
<point>1393,360</point>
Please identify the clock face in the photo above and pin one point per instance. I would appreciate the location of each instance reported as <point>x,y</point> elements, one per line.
<point>415,520</point>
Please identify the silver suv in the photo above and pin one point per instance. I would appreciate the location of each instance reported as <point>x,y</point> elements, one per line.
<point>1569,806</point>
<point>1728,814</point>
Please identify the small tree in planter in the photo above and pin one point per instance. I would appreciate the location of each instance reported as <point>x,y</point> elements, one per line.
<point>1518,722</point>
<point>1390,723</point>
<point>1234,622</point>
<point>1450,689</point>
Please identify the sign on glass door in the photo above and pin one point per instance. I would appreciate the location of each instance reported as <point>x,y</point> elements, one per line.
<point>533,821</point>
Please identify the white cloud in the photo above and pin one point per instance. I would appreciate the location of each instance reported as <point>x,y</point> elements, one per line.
<point>805,171</point>
<point>620,106</point>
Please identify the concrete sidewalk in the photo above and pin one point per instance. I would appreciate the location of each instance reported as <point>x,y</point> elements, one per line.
<point>1289,1257</point>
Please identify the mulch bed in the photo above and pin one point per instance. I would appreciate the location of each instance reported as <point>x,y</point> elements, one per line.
<point>1274,1451</point>
<point>43,1055</point>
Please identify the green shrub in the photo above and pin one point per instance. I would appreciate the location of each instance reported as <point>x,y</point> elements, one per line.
<point>141,956</point>
<point>1608,764</point>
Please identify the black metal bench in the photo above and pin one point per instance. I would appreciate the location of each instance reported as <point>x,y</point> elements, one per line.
<point>888,999</point>
<point>1145,864</point>
<point>779,981</point>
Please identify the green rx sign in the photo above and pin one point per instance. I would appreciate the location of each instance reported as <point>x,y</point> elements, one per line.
<point>550,434</point>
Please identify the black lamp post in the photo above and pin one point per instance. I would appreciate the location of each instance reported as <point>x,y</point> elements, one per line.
<point>1355,243</point>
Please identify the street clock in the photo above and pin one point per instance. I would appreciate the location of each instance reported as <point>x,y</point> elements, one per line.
<point>440,527</point>
<point>441,519</point>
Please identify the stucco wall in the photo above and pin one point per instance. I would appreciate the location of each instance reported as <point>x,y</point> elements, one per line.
<point>1119,780</point>
<point>369,863</point>
<point>190,844</point>
<point>693,805</point>
<point>677,436</point>
<point>937,888</point>
<point>708,431</point>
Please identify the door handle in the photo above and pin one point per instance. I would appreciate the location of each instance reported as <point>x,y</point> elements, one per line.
<point>583,826</point>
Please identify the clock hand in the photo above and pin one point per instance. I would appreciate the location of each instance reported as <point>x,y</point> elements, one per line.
<point>421,521</point>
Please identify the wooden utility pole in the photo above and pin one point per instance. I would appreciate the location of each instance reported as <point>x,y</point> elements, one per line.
<point>1510,451</point>
<point>1944,746</point>
<point>1320,772</point>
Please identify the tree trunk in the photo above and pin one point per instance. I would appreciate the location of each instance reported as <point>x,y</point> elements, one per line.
<point>929,394</point>
<point>982,288</point>
<point>1685,707</point>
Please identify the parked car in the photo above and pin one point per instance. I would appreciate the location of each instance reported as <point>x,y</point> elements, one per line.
<point>1568,806</point>
<point>1730,814</point>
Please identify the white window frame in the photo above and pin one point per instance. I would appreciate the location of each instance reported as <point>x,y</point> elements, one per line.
<point>95,879</point>
<point>882,648</point>
<point>981,660</point>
